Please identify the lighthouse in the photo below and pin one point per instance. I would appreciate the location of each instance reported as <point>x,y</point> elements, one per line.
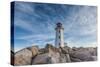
<point>59,41</point>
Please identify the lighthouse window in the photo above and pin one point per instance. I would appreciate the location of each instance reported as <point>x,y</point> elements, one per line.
<point>59,44</point>
<point>59,37</point>
<point>59,31</point>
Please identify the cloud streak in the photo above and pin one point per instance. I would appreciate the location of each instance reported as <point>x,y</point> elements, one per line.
<point>37,21</point>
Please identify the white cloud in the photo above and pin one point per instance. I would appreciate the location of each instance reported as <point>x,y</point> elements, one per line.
<point>23,24</point>
<point>79,23</point>
<point>82,24</point>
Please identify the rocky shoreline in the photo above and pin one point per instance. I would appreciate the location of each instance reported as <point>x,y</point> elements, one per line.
<point>50,55</point>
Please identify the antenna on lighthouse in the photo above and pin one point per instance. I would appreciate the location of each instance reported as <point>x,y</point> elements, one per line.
<point>59,41</point>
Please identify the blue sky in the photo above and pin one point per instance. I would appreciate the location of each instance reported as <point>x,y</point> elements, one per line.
<point>34,24</point>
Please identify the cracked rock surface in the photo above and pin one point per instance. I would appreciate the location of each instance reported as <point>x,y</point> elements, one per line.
<point>50,55</point>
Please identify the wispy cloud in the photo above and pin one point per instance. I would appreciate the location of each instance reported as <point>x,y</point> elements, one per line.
<point>84,26</point>
<point>37,23</point>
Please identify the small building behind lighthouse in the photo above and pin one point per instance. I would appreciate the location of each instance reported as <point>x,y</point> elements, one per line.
<point>59,41</point>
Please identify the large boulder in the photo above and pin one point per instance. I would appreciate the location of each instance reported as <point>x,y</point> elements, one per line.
<point>84,54</point>
<point>92,58</point>
<point>67,48</point>
<point>93,51</point>
<point>50,54</point>
<point>41,59</point>
<point>64,54</point>
<point>74,49</point>
<point>55,56</point>
<point>34,50</point>
<point>23,57</point>
<point>75,59</point>
<point>63,58</point>
<point>47,58</point>
<point>47,48</point>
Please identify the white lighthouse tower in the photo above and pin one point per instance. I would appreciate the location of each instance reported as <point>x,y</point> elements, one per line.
<point>59,42</point>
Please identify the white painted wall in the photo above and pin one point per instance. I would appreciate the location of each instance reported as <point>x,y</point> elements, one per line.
<point>61,40</point>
